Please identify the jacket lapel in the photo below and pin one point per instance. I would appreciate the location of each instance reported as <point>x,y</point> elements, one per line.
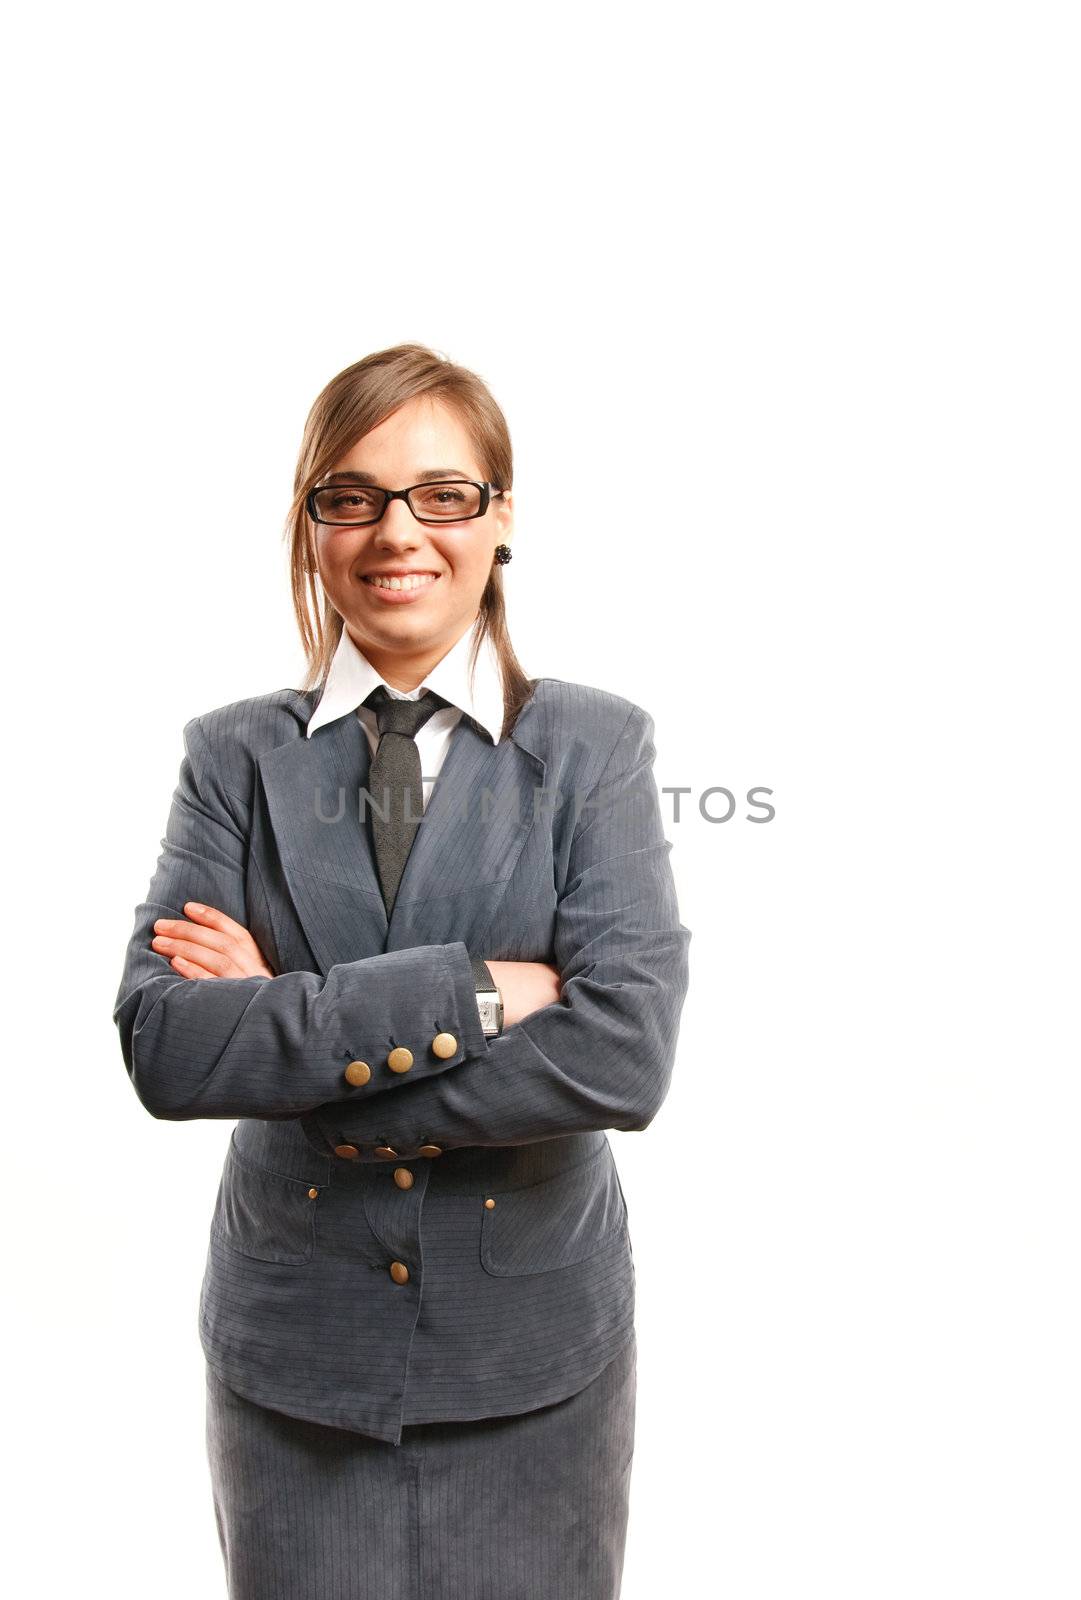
<point>479,814</point>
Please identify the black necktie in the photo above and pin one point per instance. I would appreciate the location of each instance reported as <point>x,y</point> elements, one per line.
<point>394,783</point>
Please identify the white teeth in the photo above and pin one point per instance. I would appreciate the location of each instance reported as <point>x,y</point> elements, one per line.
<point>411,582</point>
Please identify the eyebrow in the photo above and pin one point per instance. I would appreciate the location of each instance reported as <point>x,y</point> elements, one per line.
<point>432,475</point>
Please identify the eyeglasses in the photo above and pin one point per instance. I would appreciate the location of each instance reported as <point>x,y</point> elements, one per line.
<point>351,505</point>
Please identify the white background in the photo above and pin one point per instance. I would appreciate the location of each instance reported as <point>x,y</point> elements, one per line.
<point>812,272</point>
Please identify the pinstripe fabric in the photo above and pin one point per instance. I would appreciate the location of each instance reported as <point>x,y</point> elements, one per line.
<point>512,1306</point>
<point>493,1275</point>
<point>526,1507</point>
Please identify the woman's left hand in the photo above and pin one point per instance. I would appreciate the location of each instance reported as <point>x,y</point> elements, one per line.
<point>209,945</point>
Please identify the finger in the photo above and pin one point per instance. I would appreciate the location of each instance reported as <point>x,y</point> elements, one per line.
<point>207,937</point>
<point>189,969</point>
<point>193,969</point>
<point>194,943</point>
<point>232,938</point>
<point>213,918</point>
<point>220,963</point>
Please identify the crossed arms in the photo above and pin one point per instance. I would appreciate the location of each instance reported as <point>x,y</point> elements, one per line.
<point>210,1032</point>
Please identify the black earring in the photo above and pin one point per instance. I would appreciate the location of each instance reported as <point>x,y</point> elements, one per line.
<point>502,554</point>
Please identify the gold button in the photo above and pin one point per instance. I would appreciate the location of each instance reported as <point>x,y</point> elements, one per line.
<point>349,1151</point>
<point>489,1204</point>
<point>400,1059</point>
<point>403,1177</point>
<point>444,1045</point>
<point>429,1150</point>
<point>399,1272</point>
<point>312,1193</point>
<point>385,1151</point>
<point>358,1072</point>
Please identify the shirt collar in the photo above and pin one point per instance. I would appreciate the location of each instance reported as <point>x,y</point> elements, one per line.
<point>352,678</point>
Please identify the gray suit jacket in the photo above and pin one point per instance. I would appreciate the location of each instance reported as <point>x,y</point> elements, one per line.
<point>472,1257</point>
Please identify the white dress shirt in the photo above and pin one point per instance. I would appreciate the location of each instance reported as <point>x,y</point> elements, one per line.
<point>352,678</point>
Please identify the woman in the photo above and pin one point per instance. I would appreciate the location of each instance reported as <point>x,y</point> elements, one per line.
<point>424,1001</point>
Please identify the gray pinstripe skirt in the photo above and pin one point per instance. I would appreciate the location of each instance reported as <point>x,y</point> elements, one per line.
<point>526,1507</point>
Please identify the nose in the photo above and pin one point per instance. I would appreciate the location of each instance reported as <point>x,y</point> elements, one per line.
<point>397,527</point>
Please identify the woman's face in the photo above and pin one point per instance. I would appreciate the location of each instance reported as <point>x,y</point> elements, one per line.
<point>418,624</point>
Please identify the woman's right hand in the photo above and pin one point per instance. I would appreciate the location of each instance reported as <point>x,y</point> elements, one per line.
<point>205,943</point>
<point>526,986</point>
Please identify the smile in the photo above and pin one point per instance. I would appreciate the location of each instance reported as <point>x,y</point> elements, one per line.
<point>420,580</point>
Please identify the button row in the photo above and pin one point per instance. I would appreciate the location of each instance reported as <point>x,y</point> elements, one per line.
<point>350,1152</point>
<point>358,1073</point>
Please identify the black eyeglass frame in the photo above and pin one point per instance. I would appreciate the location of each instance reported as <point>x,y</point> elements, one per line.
<point>488,492</point>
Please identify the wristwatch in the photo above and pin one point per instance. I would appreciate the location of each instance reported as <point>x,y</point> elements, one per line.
<point>489,999</point>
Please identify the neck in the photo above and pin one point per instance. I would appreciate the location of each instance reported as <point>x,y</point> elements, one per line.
<point>403,669</point>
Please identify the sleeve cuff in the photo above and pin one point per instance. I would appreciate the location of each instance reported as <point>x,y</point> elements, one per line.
<point>460,972</point>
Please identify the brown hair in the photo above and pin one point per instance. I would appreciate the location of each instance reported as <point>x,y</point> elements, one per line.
<point>353,403</point>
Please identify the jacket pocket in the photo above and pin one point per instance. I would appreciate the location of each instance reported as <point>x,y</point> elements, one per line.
<point>555,1223</point>
<point>261,1214</point>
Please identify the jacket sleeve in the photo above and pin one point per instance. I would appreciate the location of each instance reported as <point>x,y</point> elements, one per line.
<point>265,1047</point>
<point>600,1057</point>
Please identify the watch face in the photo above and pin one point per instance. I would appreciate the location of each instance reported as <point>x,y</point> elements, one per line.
<point>489,1014</point>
